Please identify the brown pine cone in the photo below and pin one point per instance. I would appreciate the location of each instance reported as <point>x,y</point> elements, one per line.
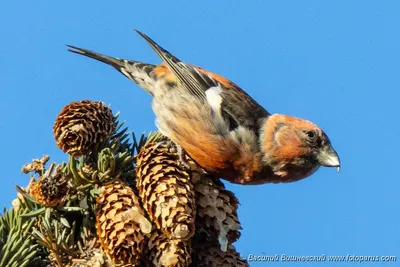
<point>50,189</point>
<point>81,125</point>
<point>121,224</point>
<point>165,252</point>
<point>166,191</point>
<point>216,208</point>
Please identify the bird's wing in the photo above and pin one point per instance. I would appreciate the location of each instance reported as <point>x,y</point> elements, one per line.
<point>218,91</point>
<point>238,104</point>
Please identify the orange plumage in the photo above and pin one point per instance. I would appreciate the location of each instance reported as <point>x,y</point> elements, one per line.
<point>221,127</point>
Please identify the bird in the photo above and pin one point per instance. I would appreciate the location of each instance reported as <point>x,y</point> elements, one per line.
<point>222,128</point>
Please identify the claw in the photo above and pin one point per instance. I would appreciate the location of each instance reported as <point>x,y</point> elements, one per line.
<point>163,142</point>
<point>181,154</point>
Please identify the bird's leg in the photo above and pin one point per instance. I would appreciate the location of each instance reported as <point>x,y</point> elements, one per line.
<point>181,154</point>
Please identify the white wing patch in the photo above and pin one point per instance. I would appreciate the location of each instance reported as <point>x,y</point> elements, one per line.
<point>214,98</point>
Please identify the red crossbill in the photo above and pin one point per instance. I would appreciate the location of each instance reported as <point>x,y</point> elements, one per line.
<point>221,127</point>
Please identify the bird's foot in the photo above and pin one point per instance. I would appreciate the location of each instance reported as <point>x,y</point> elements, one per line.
<point>182,157</point>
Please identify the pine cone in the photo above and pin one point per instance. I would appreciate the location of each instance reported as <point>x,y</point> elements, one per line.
<point>166,191</point>
<point>81,125</point>
<point>121,224</point>
<point>207,254</point>
<point>216,208</point>
<point>50,189</point>
<point>165,252</point>
<point>96,259</point>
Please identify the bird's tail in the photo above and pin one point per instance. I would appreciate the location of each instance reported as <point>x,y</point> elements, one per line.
<point>138,72</point>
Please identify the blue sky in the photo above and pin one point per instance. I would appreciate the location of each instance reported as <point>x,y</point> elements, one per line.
<point>335,63</point>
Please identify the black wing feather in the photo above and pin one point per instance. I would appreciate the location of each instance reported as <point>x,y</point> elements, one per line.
<point>195,84</point>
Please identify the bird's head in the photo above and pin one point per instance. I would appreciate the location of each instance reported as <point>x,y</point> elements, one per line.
<point>295,147</point>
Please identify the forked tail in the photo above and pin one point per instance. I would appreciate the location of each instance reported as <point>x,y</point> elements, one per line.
<point>138,72</point>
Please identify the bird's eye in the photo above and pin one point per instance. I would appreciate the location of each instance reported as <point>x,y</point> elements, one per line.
<point>311,135</point>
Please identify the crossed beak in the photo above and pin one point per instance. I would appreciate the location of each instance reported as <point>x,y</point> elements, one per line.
<point>328,157</point>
